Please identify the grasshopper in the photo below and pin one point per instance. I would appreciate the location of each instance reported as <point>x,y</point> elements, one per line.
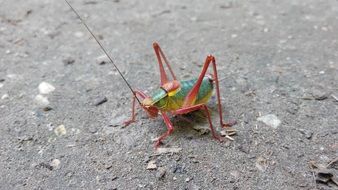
<point>174,97</point>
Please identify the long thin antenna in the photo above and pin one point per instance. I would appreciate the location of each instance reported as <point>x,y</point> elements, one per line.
<point>104,50</point>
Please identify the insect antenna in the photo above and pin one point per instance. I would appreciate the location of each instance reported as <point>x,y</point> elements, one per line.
<point>104,50</point>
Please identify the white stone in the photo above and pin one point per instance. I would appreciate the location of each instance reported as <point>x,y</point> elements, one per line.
<point>78,34</point>
<point>270,120</point>
<point>102,59</point>
<point>234,35</point>
<point>46,88</point>
<point>1,85</point>
<point>5,96</point>
<point>55,163</point>
<point>12,76</point>
<point>152,165</point>
<point>60,130</point>
<point>41,100</point>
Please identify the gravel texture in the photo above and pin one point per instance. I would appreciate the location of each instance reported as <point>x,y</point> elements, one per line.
<point>62,102</point>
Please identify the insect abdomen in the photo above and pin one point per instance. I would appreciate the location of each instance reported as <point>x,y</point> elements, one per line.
<point>204,92</point>
<point>170,103</point>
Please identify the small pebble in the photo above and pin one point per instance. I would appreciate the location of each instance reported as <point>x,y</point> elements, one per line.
<point>12,76</point>
<point>60,130</point>
<point>2,80</point>
<point>234,35</point>
<point>78,34</point>
<point>307,97</point>
<point>93,129</point>
<point>270,120</point>
<point>68,61</point>
<point>187,179</point>
<point>55,163</point>
<point>102,59</point>
<point>47,108</point>
<point>261,164</point>
<point>46,88</point>
<point>5,96</point>
<point>202,130</point>
<point>308,134</point>
<point>319,94</point>
<point>152,165</point>
<point>100,100</point>
<point>41,100</point>
<point>161,173</point>
<point>1,85</point>
<point>193,19</point>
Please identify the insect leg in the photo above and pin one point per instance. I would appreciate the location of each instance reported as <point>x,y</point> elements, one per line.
<point>206,111</point>
<point>229,124</point>
<point>169,127</point>
<point>160,55</point>
<point>133,115</point>
<point>191,97</point>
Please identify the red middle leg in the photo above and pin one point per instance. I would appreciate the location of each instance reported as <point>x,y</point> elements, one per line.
<point>169,127</point>
<point>199,107</point>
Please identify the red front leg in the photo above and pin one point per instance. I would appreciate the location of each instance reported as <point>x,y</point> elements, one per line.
<point>133,115</point>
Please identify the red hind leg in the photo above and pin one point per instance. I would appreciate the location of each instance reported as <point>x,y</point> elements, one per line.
<point>133,115</point>
<point>191,97</point>
<point>160,55</point>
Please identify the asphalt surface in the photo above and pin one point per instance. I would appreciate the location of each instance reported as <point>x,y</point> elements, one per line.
<point>62,103</point>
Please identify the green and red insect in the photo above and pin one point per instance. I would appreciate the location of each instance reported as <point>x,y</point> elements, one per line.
<point>175,97</point>
<point>180,97</point>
